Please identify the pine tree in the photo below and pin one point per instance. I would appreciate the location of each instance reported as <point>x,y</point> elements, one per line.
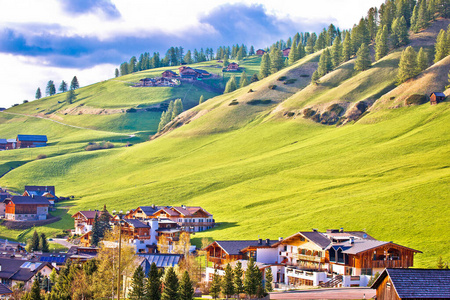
<point>215,287</point>
<point>336,52</point>
<point>276,60</point>
<point>63,87</point>
<point>347,47</point>
<point>381,47</point>
<point>260,289</point>
<point>250,279</point>
<point>44,243</point>
<point>35,241</point>
<point>414,26</point>
<point>315,77</point>
<point>310,43</point>
<point>264,70</point>
<point>70,97</point>
<point>95,232</point>
<point>422,60</point>
<point>177,108</point>
<point>50,91</point>
<point>422,15</point>
<point>321,41</point>
<point>124,69</point>
<point>153,284</point>
<point>363,61</point>
<point>441,46</point>
<point>407,67</point>
<point>202,99</point>
<point>74,84</point>
<point>228,282</point>
<point>244,80</point>
<point>170,291</point>
<point>231,85</point>
<point>240,54</point>
<point>137,284</point>
<point>104,222</point>
<point>292,54</point>
<point>38,93</point>
<point>269,279</point>
<point>35,293</point>
<point>186,290</point>
<point>254,78</point>
<point>399,36</point>
<point>237,279</point>
<point>116,73</point>
<point>325,64</point>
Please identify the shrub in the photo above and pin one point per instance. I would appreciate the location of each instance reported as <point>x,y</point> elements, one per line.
<point>335,108</point>
<point>131,110</point>
<point>41,156</point>
<point>316,118</point>
<point>308,112</point>
<point>290,114</point>
<point>392,98</point>
<point>97,146</point>
<point>304,75</point>
<point>25,101</point>
<point>272,86</point>
<point>361,106</point>
<point>415,99</point>
<point>281,78</point>
<point>233,102</point>
<point>290,81</point>
<point>250,91</point>
<point>256,102</point>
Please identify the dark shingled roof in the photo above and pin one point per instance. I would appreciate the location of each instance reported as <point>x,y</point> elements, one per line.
<point>150,210</point>
<point>18,269</point>
<point>32,138</point>
<point>418,283</point>
<point>235,247</point>
<point>40,189</point>
<point>439,94</point>
<point>28,200</point>
<point>316,237</point>
<point>4,290</point>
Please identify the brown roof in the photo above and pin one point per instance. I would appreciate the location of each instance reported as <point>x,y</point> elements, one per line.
<point>90,214</point>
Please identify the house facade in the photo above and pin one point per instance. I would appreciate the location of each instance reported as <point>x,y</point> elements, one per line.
<point>169,74</point>
<point>31,141</point>
<point>260,52</point>
<point>436,97</point>
<point>233,67</point>
<point>25,208</point>
<point>45,191</point>
<point>83,220</point>
<point>14,271</point>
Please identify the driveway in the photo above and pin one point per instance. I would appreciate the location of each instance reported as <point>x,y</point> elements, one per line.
<point>331,293</point>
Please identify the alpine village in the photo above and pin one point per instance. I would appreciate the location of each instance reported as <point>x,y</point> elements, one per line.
<point>316,167</point>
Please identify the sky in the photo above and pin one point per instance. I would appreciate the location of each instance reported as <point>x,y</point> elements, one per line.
<point>58,39</point>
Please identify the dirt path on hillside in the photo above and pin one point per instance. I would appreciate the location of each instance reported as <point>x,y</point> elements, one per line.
<point>64,124</point>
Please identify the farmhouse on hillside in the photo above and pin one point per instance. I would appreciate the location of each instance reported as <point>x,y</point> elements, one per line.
<point>412,284</point>
<point>14,271</point>
<point>260,52</point>
<point>84,220</point>
<point>25,208</point>
<point>45,191</point>
<point>436,97</point>
<point>286,52</point>
<point>232,67</point>
<point>189,73</point>
<point>31,141</point>
<point>169,74</point>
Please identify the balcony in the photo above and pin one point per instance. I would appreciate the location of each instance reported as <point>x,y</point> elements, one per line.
<point>310,258</point>
<point>388,264</point>
<point>286,254</point>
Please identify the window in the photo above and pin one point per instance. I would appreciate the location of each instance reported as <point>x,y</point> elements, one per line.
<point>366,271</point>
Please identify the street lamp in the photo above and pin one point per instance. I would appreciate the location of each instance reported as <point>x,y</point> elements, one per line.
<point>120,215</point>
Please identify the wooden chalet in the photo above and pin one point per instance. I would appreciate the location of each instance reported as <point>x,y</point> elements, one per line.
<point>147,82</point>
<point>24,208</point>
<point>85,219</point>
<point>436,97</point>
<point>169,229</point>
<point>86,239</point>
<point>14,271</point>
<point>11,144</point>
<point>143,212</point>
<point>189,73</point>
<point>233,67</point>
<point>45,191</point>
<point>31,141</point>
<point>286,52</point>
<point>169,74</point>
<point>260,52</point>
<point>412,284</point>
<point>135,229</point>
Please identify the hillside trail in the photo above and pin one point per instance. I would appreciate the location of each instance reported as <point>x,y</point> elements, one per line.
<point>64,124</point>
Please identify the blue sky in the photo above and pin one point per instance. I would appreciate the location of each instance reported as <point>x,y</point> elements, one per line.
<point>57,39</point>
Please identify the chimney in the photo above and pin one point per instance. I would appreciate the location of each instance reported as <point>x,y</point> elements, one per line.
<point>352,240</point>
<point>342,229</point>
<point>153,205</point>
<point>260,242</point>
<point>280,238</point>
<point>267,241</point>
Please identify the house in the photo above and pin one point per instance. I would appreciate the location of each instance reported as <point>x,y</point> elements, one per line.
<point>82,254</point>
<point>3,144</point>
<point>169,74</point>
<point>11,144</point>
<point>45,191</point>
<point>25,208</point>
<point>286,52</point>
<point>233,67</point>
<point>436,97</point>
<point>170,230</point>
<point>260,52</point>
<point>141,235</point>
<point>189,73</point>
<point>143,212</point>
<point>85,219</point>
<point>5,292</point>
<point>31,141</point>
<point>11,247</point>
<point>14,271</point>
<point>147,82</point>
<point>3,195</point>
<point>414,284</point>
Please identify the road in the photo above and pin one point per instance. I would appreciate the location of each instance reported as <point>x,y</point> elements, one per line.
<point>331,293</point>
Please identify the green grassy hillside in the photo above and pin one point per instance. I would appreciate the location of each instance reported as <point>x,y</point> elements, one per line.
<point>264,175</point>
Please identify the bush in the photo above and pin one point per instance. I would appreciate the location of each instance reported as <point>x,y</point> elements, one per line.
<point>361,106</point>
<point>97,146</point>
<point>281,78</point>
<point>233,102</point>
<point>256,102</point>
<point>131,110</point>
<point>25,101</point>
<point>272,86</point>
<point>290,81</point>
<point>304,75</point>
<point>41,156</point>
<point>308,112</point>
<point>290,114</point>
<point>250,91</point>
<point>392,98</point>
<point>415,99</point>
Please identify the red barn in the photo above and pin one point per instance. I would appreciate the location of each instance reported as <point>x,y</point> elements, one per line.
<point>169,74</point>
<point>233,67</point>
<point>260,52</point>
<point>435,98</point>
<point>286,52</point>
<point>31,141</point>
<point>26,208</point>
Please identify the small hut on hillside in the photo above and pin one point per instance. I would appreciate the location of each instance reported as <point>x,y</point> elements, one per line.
<point>436,97</point>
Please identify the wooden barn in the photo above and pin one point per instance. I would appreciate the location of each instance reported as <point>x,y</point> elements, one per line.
<point>286,52</point>
<point>436,97</point>
<point>11,144</point>
<point>3,143</point>
<point>146,82</point>
<point>402,284</point>
<point>233,67</point>
<point>24,208</point>
<point>169,74</point>
<point>260,52</point>
<point>31,141</point>
<point>45,191</point>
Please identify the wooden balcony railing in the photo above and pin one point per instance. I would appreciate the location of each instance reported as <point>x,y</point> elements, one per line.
<point>388,264</point>
<point>311,258</point>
